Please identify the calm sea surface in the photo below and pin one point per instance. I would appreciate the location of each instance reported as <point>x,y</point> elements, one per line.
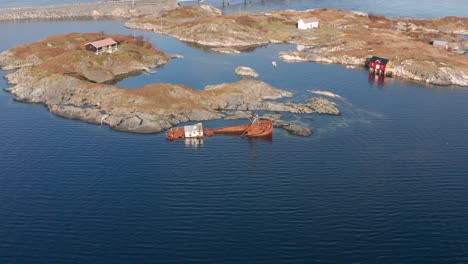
<point>394,8</point>
<point>386,182</point>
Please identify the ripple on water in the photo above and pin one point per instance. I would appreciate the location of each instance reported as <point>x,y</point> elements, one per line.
<point>383,183</point>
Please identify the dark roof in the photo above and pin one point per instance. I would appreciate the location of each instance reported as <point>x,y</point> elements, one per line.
<point>381,60</point>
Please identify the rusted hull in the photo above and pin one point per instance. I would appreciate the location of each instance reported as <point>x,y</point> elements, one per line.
<point>179,133</point>
<point>261,129</point>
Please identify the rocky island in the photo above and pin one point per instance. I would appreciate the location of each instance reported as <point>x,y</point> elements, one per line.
<point>343,37</point>
<point>101,9</point>
<point>73,76</point>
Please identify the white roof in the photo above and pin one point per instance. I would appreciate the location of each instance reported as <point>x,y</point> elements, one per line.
<point>440,43</point>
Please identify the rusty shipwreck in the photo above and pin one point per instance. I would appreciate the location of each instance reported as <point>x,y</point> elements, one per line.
<point>255,129</point>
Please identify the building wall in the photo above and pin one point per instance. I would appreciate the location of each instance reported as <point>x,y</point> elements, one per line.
<point>377,66</point>
<point>90,47</point>
<point>302,25</point>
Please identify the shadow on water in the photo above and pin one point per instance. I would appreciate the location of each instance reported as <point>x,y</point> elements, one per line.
<point>209,49</point>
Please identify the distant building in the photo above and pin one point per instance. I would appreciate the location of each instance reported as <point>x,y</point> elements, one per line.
<point>105,45</point>
<point>300,47</point>
<point>308,23</point>
<point>378,65</point>
<point>305,48</point>
<point>440,44</point>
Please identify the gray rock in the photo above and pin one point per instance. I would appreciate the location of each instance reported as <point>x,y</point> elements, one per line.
<point>323,106</point>
<point>238,115</point>
<point>293,128</point>
<point>443,76</point>
<point>134,123</point>
<point>123,9</point>
<point>243,71</point>
<point>226,50</point>
<point>89,115</point>
<point>98,76</point>
<point>405,26</point>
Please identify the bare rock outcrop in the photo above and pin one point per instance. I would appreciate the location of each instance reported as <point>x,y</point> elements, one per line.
<point>344,37</point>
<point>80,90</point>
<point>246,72</point>
<point>321,105</point>
<point>291,127</point>
<point>298,56</point>
<point>114,9</point>
<point>443,76</point>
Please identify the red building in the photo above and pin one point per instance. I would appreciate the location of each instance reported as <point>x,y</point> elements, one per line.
<point>378,65</point>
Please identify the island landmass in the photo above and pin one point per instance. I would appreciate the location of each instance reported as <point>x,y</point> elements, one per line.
<point>76,83</point>
<point>343,37</point>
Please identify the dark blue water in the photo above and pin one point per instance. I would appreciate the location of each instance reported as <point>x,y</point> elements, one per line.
<point>384,183</point>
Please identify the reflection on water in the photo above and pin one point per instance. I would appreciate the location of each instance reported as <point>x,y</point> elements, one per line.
<point>376,79</point>
<point>193,142</point>
<point>383,183</point>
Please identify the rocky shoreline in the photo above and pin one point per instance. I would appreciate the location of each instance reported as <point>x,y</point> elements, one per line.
<point>84,94</point>
<point>344,37</point>
<point>442,76</point>
<point>112,9</point>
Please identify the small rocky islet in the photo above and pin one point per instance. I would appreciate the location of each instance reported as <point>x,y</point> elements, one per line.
<point>75,83</point>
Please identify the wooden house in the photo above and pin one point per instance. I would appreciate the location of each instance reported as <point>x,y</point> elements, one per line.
<point>308,23</point>
<point>378,65</point>
<point>440,44</point>
<point>104,45</point>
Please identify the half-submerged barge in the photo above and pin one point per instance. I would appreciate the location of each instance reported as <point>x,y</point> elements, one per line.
<point>257,128</point>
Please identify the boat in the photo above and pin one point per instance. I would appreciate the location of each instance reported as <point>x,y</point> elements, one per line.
<point>260,128</point>
<point>256,129</point>
<point>192,131</point>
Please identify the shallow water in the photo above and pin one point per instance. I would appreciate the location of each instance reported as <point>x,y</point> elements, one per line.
<point>383,183</point>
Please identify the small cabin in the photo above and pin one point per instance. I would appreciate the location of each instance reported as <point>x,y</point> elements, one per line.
<point>308,23</point>
<point>378,65</point>
<point>104,45</point>
<point>194,131</point>
<point>440,44</point>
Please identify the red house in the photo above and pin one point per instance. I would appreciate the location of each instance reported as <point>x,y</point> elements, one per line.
<point>378,65</point>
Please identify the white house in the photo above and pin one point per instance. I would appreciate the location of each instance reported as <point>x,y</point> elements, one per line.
<point>308,23</point>
<point>440,44</point>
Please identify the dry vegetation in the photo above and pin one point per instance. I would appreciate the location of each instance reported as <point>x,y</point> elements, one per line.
<point>170,97</point>
<point>341,33</point>
<point>66,53</point>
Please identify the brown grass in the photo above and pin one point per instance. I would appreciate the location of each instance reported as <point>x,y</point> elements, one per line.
<point>165,96</point>
<point>64,53</point>
<point>246,21</point>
